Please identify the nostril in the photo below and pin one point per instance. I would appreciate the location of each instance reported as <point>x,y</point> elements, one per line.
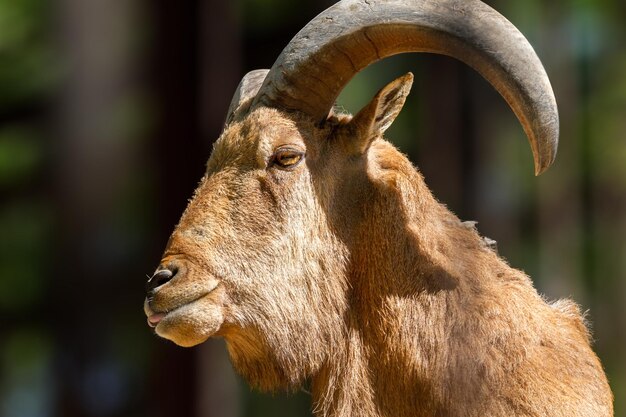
<point>159,278</point>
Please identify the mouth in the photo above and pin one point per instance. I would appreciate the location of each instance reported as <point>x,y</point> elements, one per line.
<point>154,318</point>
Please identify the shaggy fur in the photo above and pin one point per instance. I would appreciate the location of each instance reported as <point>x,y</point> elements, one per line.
<point>346,271</point>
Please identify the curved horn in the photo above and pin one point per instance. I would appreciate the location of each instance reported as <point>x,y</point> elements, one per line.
<point>322,58</point>
<point>246,90</point>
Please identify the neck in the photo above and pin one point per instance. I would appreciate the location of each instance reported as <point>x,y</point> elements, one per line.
<point>343,387</point>
<point>404,315</point>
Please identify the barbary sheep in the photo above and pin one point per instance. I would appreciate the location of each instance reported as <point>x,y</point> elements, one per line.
<point>315,249</point>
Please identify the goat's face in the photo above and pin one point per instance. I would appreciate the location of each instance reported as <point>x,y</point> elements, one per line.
<point>257,256</point>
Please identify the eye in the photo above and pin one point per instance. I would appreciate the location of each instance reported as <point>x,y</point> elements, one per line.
<point>286,158</point>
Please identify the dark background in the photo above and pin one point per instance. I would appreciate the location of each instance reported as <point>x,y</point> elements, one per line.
<point>107,114</point>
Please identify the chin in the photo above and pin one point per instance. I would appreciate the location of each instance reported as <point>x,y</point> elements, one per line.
<point>191,324</point>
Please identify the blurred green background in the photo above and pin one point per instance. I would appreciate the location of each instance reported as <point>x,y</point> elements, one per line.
<point>107,114</point>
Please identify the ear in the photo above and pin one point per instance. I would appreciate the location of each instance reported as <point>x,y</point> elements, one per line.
<point>372,121</point>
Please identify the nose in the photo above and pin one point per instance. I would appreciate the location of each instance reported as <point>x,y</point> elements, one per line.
<point>159,278</point>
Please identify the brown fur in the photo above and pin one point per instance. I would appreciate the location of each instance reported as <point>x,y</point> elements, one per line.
<point>347,271</point>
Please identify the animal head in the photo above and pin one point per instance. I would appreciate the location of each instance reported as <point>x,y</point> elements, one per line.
<point>296,197</point>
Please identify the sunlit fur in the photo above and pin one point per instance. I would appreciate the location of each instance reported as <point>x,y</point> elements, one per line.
<point>346,272</point>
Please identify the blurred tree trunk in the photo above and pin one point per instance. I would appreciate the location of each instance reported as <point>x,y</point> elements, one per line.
<point>99,171</point>
<point>179,154</point>
<point>447,150</point>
